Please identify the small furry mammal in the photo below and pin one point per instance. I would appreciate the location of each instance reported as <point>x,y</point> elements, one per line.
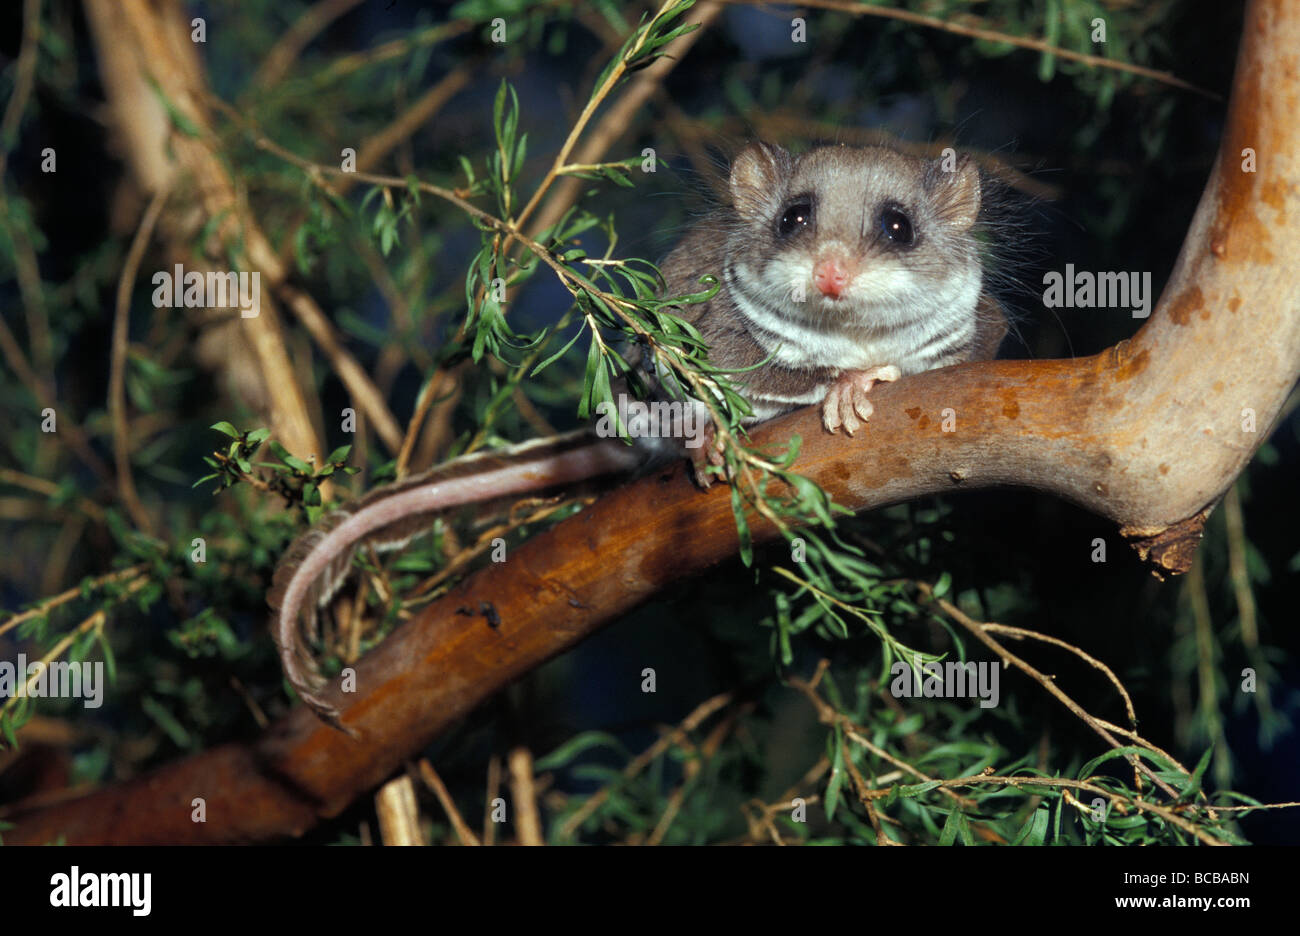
<point>845,267</point>
<point>839,269</point>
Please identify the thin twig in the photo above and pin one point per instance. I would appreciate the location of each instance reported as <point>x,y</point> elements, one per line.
<point>1020,633</point>
<point>1236,524</point>
<point>117,369</point>
<point>1163,812</point>
<point>50,489</point>
<point>458,823</point>
<point>26,264</point>
<point>72,594</point>
<point>694,768</point>
<point>523,794</point>
<point>374,149</point>
<point>597,98</point>
<point>314,20</point>
<point>1144,742</point>
<point>354,377</point>
<point>24,78</point>
<point>96,621</point>
<point>977,629</point>
<point>347,64</point>
<point>432,390</point>
<point>645,759</point>
<point>827,714</point>
<point>1247,620</point>
<point>491,792</point>
<point>398,813</point>
<point>620,118</point>
<point>69,432</point>
<point>1260,806</point>
<point>991,35</point>
<point>1208,655</point>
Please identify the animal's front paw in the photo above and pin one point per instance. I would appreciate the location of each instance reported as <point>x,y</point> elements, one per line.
<point>708,452</point>
<point>846,402</point>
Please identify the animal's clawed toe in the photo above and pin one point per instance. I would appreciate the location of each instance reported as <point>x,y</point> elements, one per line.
<point>847,404</point>
<point>709,452</point>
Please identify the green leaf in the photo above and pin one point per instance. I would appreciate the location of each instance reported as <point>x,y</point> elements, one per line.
<point>586,407</point>
<point>521,150</point>
<point>742,527</point>
<point>468,168</point>
<point>178,119</point>
<point>1159,760</point>
<point>387,238</point>
<point>956,825</point>
<point>168,722</point>
<point>110,661</point>
<point>1194,785</point>
<point>1034,831</point>
<point>943,585</point>
<point>837,775</point>
<point>558,354</point>
<point>1052,37</point>
<point>569,751</point>
<point>297,464</point>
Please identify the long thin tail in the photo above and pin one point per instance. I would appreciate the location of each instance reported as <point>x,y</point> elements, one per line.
<point>387,517</point>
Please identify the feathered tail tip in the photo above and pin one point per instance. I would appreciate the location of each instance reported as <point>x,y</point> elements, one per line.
<point>295,630</point>
<point>304,582</point>
<point>318,561</point>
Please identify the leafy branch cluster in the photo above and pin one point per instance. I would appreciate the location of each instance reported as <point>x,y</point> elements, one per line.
<point>294,479</point>
<point>614,298</point>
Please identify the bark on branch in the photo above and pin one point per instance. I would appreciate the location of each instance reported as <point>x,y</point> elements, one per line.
<point>1149,433</point>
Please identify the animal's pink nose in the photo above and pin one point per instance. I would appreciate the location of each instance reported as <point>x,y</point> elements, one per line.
<point>831,276</point>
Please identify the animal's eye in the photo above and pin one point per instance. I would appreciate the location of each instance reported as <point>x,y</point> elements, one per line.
<point>896,227</point>
<point>797,215</point>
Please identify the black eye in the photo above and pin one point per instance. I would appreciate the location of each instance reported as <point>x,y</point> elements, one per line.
<point>796,216</point>
<point>896,227</point>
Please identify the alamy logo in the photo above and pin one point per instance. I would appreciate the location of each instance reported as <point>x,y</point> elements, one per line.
<point>102,890</point>
<point>1087,290</point>
<point>216,290</point>
<point>655,420</point>
<point>951,680</point>
<point>57,680</point>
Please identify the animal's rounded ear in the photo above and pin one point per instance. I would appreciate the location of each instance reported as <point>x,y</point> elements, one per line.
<point>758,175</point>
<point>954,184</point>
